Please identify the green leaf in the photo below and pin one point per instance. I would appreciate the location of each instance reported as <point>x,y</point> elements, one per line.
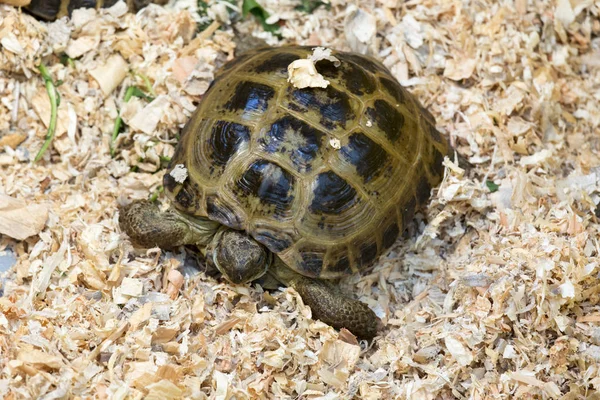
<point>252,7</point>
<point>146,80</point>
<point>492,186</point>
<point>54,103</point>
<point>308,6</point>
<point>157,192</point>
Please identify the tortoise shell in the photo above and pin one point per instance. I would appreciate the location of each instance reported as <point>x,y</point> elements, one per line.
<point>327,179</point>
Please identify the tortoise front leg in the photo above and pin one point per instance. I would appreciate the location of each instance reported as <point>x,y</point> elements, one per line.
<point>328,304</point>
<point>147,226</point>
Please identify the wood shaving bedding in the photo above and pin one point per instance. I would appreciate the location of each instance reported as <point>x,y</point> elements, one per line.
<point>495,295</point>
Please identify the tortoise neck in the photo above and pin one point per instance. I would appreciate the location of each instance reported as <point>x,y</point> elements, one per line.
<point>202,229</point>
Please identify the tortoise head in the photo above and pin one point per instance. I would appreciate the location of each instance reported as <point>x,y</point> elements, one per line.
<point>238,257</point>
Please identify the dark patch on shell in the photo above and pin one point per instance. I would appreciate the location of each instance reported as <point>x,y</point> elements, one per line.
<point>408,212</point>
<point>222,213</point>
<point>368,253</point>
<point>332,105</point>
<point>435,134</point>
<point>274,240</point>
<point>276,64</point>
<point>250,97</point>
<point>332,194</point>
<point>350,75</point>
<point>289,130</point>
<point>365,63</point>
<point>438,161</point>
<point>268,182</point>
<point>226,138</point>
<point>394,89</point>
<point>341,265</point>
<point>390,235</point>
<point>188,196</point>
<point>423,189</point>
<point>387,118</point>
<point>312,263</point>
<point>169,182</point>
<point>368,157</point>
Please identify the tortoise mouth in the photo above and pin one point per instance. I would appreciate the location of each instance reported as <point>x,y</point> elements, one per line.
<point>238,257</point>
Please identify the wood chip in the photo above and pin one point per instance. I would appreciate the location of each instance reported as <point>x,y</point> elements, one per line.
<point>21,220</point>
<point>493,294</point>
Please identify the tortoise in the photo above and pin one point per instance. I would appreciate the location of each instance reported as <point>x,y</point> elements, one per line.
<point>297,186</point>
<point>49,10</point>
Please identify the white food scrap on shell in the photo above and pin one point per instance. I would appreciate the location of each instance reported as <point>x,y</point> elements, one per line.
<point>179,173</point>
<point>303,73</point>
<point>335,143</point>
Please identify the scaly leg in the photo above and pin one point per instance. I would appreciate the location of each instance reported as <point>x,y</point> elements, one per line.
<point>328,304</point>
<point>147,226</point>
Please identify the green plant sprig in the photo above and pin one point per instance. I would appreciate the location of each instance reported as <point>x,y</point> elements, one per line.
<point>54,97</point>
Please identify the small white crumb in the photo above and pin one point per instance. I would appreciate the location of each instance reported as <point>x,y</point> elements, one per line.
<point>509,352</point>
<point>335,143</point>
<point>303,73</point>
<point>369,124</point>
<point>179,173</point>
<point>132,287</point>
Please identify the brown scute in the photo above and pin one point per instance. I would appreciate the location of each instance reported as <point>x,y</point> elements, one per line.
<point>332,194</point>
<point>295,138</point>
<point>219,211</point>
<point>270,184</point>
<point>226,138</point>
<point>250,97</point>
<point>369,158</point>
<point>387,118</point>
<point>332,105</point>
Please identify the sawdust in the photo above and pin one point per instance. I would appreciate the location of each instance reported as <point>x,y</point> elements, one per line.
<point>496,295</point>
